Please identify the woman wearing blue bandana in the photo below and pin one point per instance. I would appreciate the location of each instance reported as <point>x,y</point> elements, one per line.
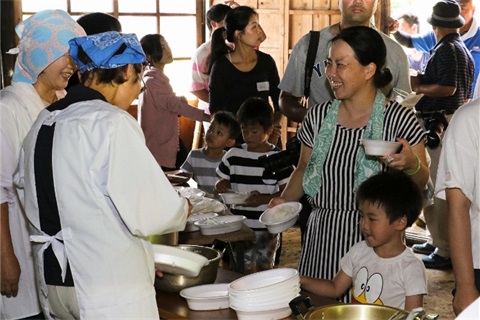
<point>333,163</point>
<point>93,192</point>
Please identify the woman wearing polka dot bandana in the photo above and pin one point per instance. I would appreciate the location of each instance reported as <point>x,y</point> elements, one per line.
<point>42,70</point>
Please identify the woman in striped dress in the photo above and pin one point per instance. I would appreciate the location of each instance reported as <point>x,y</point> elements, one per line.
<point>333,163</point>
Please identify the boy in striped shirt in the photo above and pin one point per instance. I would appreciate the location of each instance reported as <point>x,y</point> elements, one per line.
<point>202,163</point>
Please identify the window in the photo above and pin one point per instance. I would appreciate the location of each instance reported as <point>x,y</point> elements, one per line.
<point>176,20</point>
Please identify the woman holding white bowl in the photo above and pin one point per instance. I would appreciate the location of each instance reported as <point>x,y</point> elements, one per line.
<point>332,161</point>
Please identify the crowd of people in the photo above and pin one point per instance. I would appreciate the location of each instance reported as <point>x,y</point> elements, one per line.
<point>70,218</point>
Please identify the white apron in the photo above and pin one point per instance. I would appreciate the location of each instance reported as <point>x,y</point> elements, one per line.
<point>111,194</point>
<point>20,105</point>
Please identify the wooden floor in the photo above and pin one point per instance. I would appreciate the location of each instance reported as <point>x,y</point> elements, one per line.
<point>440,282</point>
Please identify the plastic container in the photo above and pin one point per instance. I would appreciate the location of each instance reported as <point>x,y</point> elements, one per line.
<point>281,217</point>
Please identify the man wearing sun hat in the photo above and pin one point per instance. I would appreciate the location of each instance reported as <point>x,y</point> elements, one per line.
<point>469,33</point>
<point>446,84</point>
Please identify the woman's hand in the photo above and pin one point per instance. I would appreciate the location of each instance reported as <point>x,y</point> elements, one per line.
<point>276,201</point>
<point>158,273</point>
<point>232,4</point>
<point>10,275</point>
<point>404,160</point>
<point>190,207</point>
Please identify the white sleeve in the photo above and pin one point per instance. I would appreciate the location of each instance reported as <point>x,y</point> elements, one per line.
<point>347,261</point>
<point>415,280</point>
<point>143,196</point>
<point>10,146</point>
<point>459,161</point>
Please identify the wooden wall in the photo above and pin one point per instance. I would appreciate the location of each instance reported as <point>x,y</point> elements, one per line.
<point>284,22</point>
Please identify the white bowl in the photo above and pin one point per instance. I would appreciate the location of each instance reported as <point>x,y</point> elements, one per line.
<point>253,301</point>
<point>207,297</point>
<point>264,280</point>
<point>220,224</point>
<point>266,294</point>
<point>176,261</point>
<point>380,147</point>
<point>261,305</point>
<point>262,315</point>
<point>281,217</point>
<point>234,197</point>
<point>190,226</point>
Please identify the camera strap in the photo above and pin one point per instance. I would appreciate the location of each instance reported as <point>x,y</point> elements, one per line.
<point>311,54</point>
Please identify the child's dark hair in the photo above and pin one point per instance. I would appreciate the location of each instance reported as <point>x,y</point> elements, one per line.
<point>228,120</point>
<point>256,110</point>
<point>217,13</point>
<point>395,192</point>
<point>152,47</point>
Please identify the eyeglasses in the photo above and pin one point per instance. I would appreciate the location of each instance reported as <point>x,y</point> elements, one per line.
<point>144,86</point>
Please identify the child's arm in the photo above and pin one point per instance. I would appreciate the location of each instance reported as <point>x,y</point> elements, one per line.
<point>178,176</point>
<point>222,185</point>
<point>186,110</point>
<point>327,288</point>
<point>257,199</point>
<point>412,302</point>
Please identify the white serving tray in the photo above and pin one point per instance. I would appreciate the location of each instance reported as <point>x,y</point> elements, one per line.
<point>220,224</point>
<point>207,297</point>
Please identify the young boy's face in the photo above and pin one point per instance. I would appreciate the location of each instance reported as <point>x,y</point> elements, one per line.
<point>218,136</point>
<point>376,227</point>
<point>254,135</point>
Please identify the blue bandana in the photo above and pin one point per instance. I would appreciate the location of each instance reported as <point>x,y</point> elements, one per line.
<point>102,49</point>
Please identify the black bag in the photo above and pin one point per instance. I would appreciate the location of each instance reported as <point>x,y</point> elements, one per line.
<point>311,54</point>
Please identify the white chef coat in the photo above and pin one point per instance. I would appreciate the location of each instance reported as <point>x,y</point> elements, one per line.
<point>459,165</point>
<point>20,105</point>
<point>111,194</point>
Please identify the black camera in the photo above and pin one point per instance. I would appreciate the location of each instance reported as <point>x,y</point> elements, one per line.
<point>435,124</point>
<point>283,159</point>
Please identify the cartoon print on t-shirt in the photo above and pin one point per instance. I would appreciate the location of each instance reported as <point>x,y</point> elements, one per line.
<point>367,289</point>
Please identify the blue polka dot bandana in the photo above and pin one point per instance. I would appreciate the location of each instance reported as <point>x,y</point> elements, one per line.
<point>104,49</point>
<point>43,39</point>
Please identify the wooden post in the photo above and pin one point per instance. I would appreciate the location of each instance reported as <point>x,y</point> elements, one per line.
<point>10,15</point>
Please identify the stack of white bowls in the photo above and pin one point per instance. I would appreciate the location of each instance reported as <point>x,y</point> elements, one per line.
<point>265,294</point>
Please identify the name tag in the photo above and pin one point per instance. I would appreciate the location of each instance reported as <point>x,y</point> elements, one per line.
<point>263,86</point>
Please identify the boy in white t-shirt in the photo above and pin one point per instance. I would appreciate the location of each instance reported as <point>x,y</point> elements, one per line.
<point>381,269</point>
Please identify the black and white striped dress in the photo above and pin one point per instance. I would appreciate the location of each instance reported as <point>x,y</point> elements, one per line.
<point>332,228</point>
